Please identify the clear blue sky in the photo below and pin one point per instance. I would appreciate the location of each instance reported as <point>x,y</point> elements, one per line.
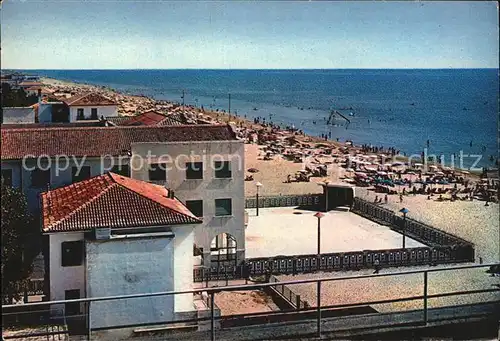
<point>206,34</point>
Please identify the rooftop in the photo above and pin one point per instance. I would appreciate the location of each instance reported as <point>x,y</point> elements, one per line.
<point>148,118</point>
<point>99,141</point>
<point>114,201</point>
<point>294,231</point>
<point>90,98</point>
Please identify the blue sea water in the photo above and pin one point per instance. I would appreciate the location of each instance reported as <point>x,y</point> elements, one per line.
<point>451,108</point>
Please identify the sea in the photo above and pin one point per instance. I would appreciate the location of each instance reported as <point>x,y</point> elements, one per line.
<point>448,112</point>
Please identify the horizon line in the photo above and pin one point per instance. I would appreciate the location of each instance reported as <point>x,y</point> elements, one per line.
<point>251,69</point>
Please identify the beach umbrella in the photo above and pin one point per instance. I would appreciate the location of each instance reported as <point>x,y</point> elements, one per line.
<point>418,164</point>
<point>381,173</point>
<point>439,173</point>
<point>253,170</point>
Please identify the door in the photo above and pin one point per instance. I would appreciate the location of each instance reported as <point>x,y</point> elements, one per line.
<point>72,309</point>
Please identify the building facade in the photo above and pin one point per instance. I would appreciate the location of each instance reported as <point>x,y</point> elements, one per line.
<point>139,243</point>
<point>205,171</point>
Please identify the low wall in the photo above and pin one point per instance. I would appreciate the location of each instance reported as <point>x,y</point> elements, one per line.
<point>285,201</point>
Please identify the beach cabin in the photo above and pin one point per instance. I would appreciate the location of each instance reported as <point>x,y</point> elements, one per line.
<point>337,195</point>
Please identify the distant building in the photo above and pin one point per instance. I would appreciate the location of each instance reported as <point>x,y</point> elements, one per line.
<point>90,106</point>
<point>111,235</point>
<point>202,164</point>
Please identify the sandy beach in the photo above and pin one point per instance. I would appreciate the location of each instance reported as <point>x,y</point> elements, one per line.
<point>471,220</point>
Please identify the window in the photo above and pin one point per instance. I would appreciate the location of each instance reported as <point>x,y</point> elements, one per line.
<point>157,172</point>
<point>72,308</point>
<point>194,170</point>
<point>40,178</point>
<point>121,169</point>
<point>196,207</point>
<point>80,174</point>
<point>222,207</point>
<point>72,253</point>
<point>93,114</point>
<point>7,177</point>
<point>79,114</point>
<point>222,169</point>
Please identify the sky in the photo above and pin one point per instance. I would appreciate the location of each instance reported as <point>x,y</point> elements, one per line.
<point>83,34</point>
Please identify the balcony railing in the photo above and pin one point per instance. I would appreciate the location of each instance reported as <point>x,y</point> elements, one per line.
<point>324,324</point>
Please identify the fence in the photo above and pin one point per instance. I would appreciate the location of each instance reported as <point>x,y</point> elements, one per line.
<point>487,306</point>
<point>285,201</point>
<point>419,231</point>
<point>288,295</point>
<point>30,288</point>
<point>354,260</point>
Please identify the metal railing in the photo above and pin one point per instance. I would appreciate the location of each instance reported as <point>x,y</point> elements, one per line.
<point>214,290</point>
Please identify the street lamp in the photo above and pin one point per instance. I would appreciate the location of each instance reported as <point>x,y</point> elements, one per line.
<point>404,211</point>
<point>319,215</point>
<point>258,185</point>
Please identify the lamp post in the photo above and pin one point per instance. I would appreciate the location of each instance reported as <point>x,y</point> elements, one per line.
<point>404,211</point>
<point>258,185</point>
<point>319,215</point>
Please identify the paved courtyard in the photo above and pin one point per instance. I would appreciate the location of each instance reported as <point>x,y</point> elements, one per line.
<point>289,231</point>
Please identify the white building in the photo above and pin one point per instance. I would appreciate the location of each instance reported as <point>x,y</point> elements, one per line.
<point>111,235</point>
<point>90,106</point>
<point>204,167</point>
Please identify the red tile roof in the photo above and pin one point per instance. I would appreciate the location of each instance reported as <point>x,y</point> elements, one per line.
<point>148,118</point>
<point>90,98</point>
<point>114,201</point>
<point>100,141</point>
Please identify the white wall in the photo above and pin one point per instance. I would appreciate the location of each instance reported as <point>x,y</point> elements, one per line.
<point>183,266</point>
<point>12,115</point>
<point>107,110</point>
<point>208,189</point>
<point>130,266</point>
<point>67,277</point>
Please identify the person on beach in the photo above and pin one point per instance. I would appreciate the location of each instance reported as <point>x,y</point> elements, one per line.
<point>376,265</point>
<point>376,199</point>
<point>401,198</point>
<point>386,199</point>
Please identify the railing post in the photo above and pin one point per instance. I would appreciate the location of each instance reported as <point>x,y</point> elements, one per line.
<point>212,316</point>
<point>88,320</point>
<point>425,297</point>
<point>318,309</point>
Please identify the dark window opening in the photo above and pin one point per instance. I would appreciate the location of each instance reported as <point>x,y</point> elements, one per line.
<point>223,207</point>
<point>72,253</point>
<point>93,114</point>
<point>80,174</point>
<point>222,169</point>
<point>157,172</point>
<point>72,309</point>
<point>196,207</point>
<point>40,178</point>
<point>194,170</point>
<point>121,170</point>
<point>79,114</point>
<point>7,177</point>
